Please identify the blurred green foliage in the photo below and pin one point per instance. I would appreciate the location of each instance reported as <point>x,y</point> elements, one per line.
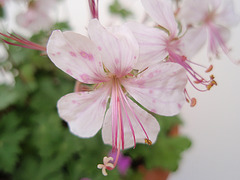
<point>117,9</point>
<point>1,12</point>
<point>36,144</point>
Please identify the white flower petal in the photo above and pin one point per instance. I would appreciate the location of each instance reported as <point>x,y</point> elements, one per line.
<point>162,12</point>
<point>84,112</point>
<point>118,46</point>
<point>160,88</point>
<point>217,38</point>
<point>77,56</point>
<point>193,41</point>
<point>152,44</point>
<point>149,123</point>
<point>226,15</point>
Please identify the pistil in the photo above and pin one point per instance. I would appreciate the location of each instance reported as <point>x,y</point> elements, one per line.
<point>119,101</point>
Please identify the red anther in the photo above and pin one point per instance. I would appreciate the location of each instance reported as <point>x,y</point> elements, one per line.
<point>209,69</point>
<point>193,102</point>
<point>184,58</point>
<point>198,81</point>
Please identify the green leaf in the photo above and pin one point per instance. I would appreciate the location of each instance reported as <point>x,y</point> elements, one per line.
<point>11,135</point>
<point>166,123</point>
<point>27,72</point>
<point>61,26</point>
<point>10,95</point>
<point>117,9</point>
<point>2,13</point>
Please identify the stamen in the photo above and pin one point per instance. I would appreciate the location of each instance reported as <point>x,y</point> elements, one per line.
<point>118,100</point>
<point>23,42</point>
<point>192,101</point>
<point>125,99</point>
<point>211,84</point>
<point>209,69</point>
<point>197,78</point>
<point>114,116</point>
<point>129,121</point>
<point>148,141</point>
<point>121,131</point>
<point>141,71</point>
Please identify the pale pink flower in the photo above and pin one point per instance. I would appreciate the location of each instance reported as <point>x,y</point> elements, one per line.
<point>209,20</point>
<point>109,60</point>
<point>163,43</point>
<point>37,17</point>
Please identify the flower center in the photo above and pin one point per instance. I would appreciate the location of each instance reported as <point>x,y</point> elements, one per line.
<point>209,17</point>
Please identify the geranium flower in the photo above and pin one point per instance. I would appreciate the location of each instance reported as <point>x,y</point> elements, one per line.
<point>164,43</point>
<point>108,60</point>
<point>209,20</point>
<point>37,17</point>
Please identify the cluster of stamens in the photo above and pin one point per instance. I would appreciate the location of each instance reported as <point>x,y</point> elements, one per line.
<point>22,42</point>
<point>197,78</point>
<point>119,104</point>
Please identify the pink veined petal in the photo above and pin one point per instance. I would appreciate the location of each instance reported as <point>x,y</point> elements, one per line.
<point>193,41</point>
<point>162,12</point>
<point>152,44</point>
<point>84,112</point>
<point>77,56</point>
<point>159,88</point>
<point>149,123</point>
<point>117,45</point>
<point>217,38</point>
